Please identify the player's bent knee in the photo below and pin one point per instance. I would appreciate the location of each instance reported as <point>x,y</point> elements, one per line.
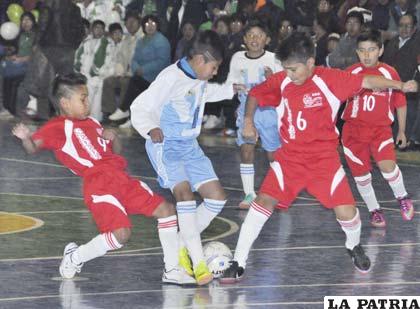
<point>266,201</point>
<point>345,212</point>
<point>165,209</point>
<point>122,235</point>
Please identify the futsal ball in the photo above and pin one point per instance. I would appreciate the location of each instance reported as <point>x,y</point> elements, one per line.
<point>217,256</point>
<point>9,31</point>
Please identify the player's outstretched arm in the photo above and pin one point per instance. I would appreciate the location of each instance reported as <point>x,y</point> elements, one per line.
<point>22,132</point>
<point>249,131</point>
<point>112,136</point>
<point>379,82</point>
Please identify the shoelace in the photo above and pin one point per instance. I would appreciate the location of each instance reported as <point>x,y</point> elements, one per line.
<point>377,216</point>
<point>404,205</point>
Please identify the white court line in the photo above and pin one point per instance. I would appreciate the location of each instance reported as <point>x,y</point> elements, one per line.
<point>222,288</point>
<point>124,253</point>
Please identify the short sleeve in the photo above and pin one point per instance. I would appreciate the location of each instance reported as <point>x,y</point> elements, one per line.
<point>268,93</point>
<point>51,135</point>
<point>344,84</point>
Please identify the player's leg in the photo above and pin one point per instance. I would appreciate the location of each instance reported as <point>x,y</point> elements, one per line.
<point>247,174</point>
<point>330,186</point>
<point>384,153</point>
<point>114,226</point>
<point>186,207</point>
<point>392,173</point>
<point>357,154</point>
<point>278,185</point>
<point>214,198</point>
<point>168,236</point>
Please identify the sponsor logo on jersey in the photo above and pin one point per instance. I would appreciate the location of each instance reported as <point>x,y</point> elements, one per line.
<point>312,100</point>
<point>87,144</point>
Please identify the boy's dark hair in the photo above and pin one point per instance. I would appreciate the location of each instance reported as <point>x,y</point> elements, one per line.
<point>85,23</point>
<point>114,27</point>
<point>208,44</point>
<point>238,17</point>
<point>98,22</point>
<point>356,14</point>
<point>371,35</point>
<point>152,18</point>
<point>64,85</point>
<point>257,22</point>
<point>132,14</point>
<point>297,47</point>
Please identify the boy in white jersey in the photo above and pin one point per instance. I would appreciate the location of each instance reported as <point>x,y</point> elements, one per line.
<point>367,130</point>
<point>169,116</point>
<point>80,143</point>
<point>252,67</point>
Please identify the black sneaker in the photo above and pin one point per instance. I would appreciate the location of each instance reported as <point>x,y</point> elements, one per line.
<point>233,274</point>
<point>360,260</point>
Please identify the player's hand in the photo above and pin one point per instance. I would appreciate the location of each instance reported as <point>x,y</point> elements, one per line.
<point>21,131</point>
<point>401,140</point>
<point>239,88</point>
<point>249,131</point>
<point>267,72</point>
<point>410,86</point>
<point>156,135</point>
<point>109,134</point>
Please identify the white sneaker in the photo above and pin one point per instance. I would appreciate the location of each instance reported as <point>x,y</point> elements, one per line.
<point>67,268</point>
<point>118,115</point>
<point>213,122</point>
<point>6,115</point>
<point>125,125</point>
<point>178,276</point>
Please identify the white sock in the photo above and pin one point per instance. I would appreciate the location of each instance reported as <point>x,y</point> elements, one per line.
<point>352,229</point>
<point>247,176</point>
<point>365,188</point>
<point>168,235</point>
<point>250,229</point>
<point>97,247</point>
<point>396,182</point>
<point>207,211</point>
<point>188,229</point>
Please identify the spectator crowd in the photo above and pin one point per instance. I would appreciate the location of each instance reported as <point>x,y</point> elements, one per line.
<point>122,45</point>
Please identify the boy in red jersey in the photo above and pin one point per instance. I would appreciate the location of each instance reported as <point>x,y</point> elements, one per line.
<point>307,99</point>
<point>367,130</point>
<point>81,144</point>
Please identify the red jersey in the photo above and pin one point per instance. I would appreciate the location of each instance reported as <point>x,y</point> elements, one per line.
<point>78,144</point>
<point>307,113</point>
<point>371,107</point>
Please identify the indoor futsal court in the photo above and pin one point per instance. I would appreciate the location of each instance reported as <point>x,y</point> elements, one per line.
<point>298,259</point>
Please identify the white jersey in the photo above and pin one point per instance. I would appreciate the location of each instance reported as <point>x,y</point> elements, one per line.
<point>174,102</point>
<point>251,71</point>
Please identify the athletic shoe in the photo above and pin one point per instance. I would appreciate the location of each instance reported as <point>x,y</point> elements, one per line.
<point>67,267</point>
<point>177,276</point>
<point>377,218</point>
<point>6,115</point>
<point>227,133</point>
<point>233,274</point>
<point>118,115</point>
<point>406,207</point>
<point>360,260</point>
<point>202,273</point>
<point>213,122</point>
<point>185,261</point>
<point>247,201</point>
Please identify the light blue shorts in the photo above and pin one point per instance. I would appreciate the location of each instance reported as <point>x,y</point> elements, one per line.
<point>265,120</point>
<point>179,161</point>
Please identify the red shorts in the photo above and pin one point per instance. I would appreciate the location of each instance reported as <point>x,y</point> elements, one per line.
<point>362,142</point>
<point>321,175</point>
<point>111,195</point>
